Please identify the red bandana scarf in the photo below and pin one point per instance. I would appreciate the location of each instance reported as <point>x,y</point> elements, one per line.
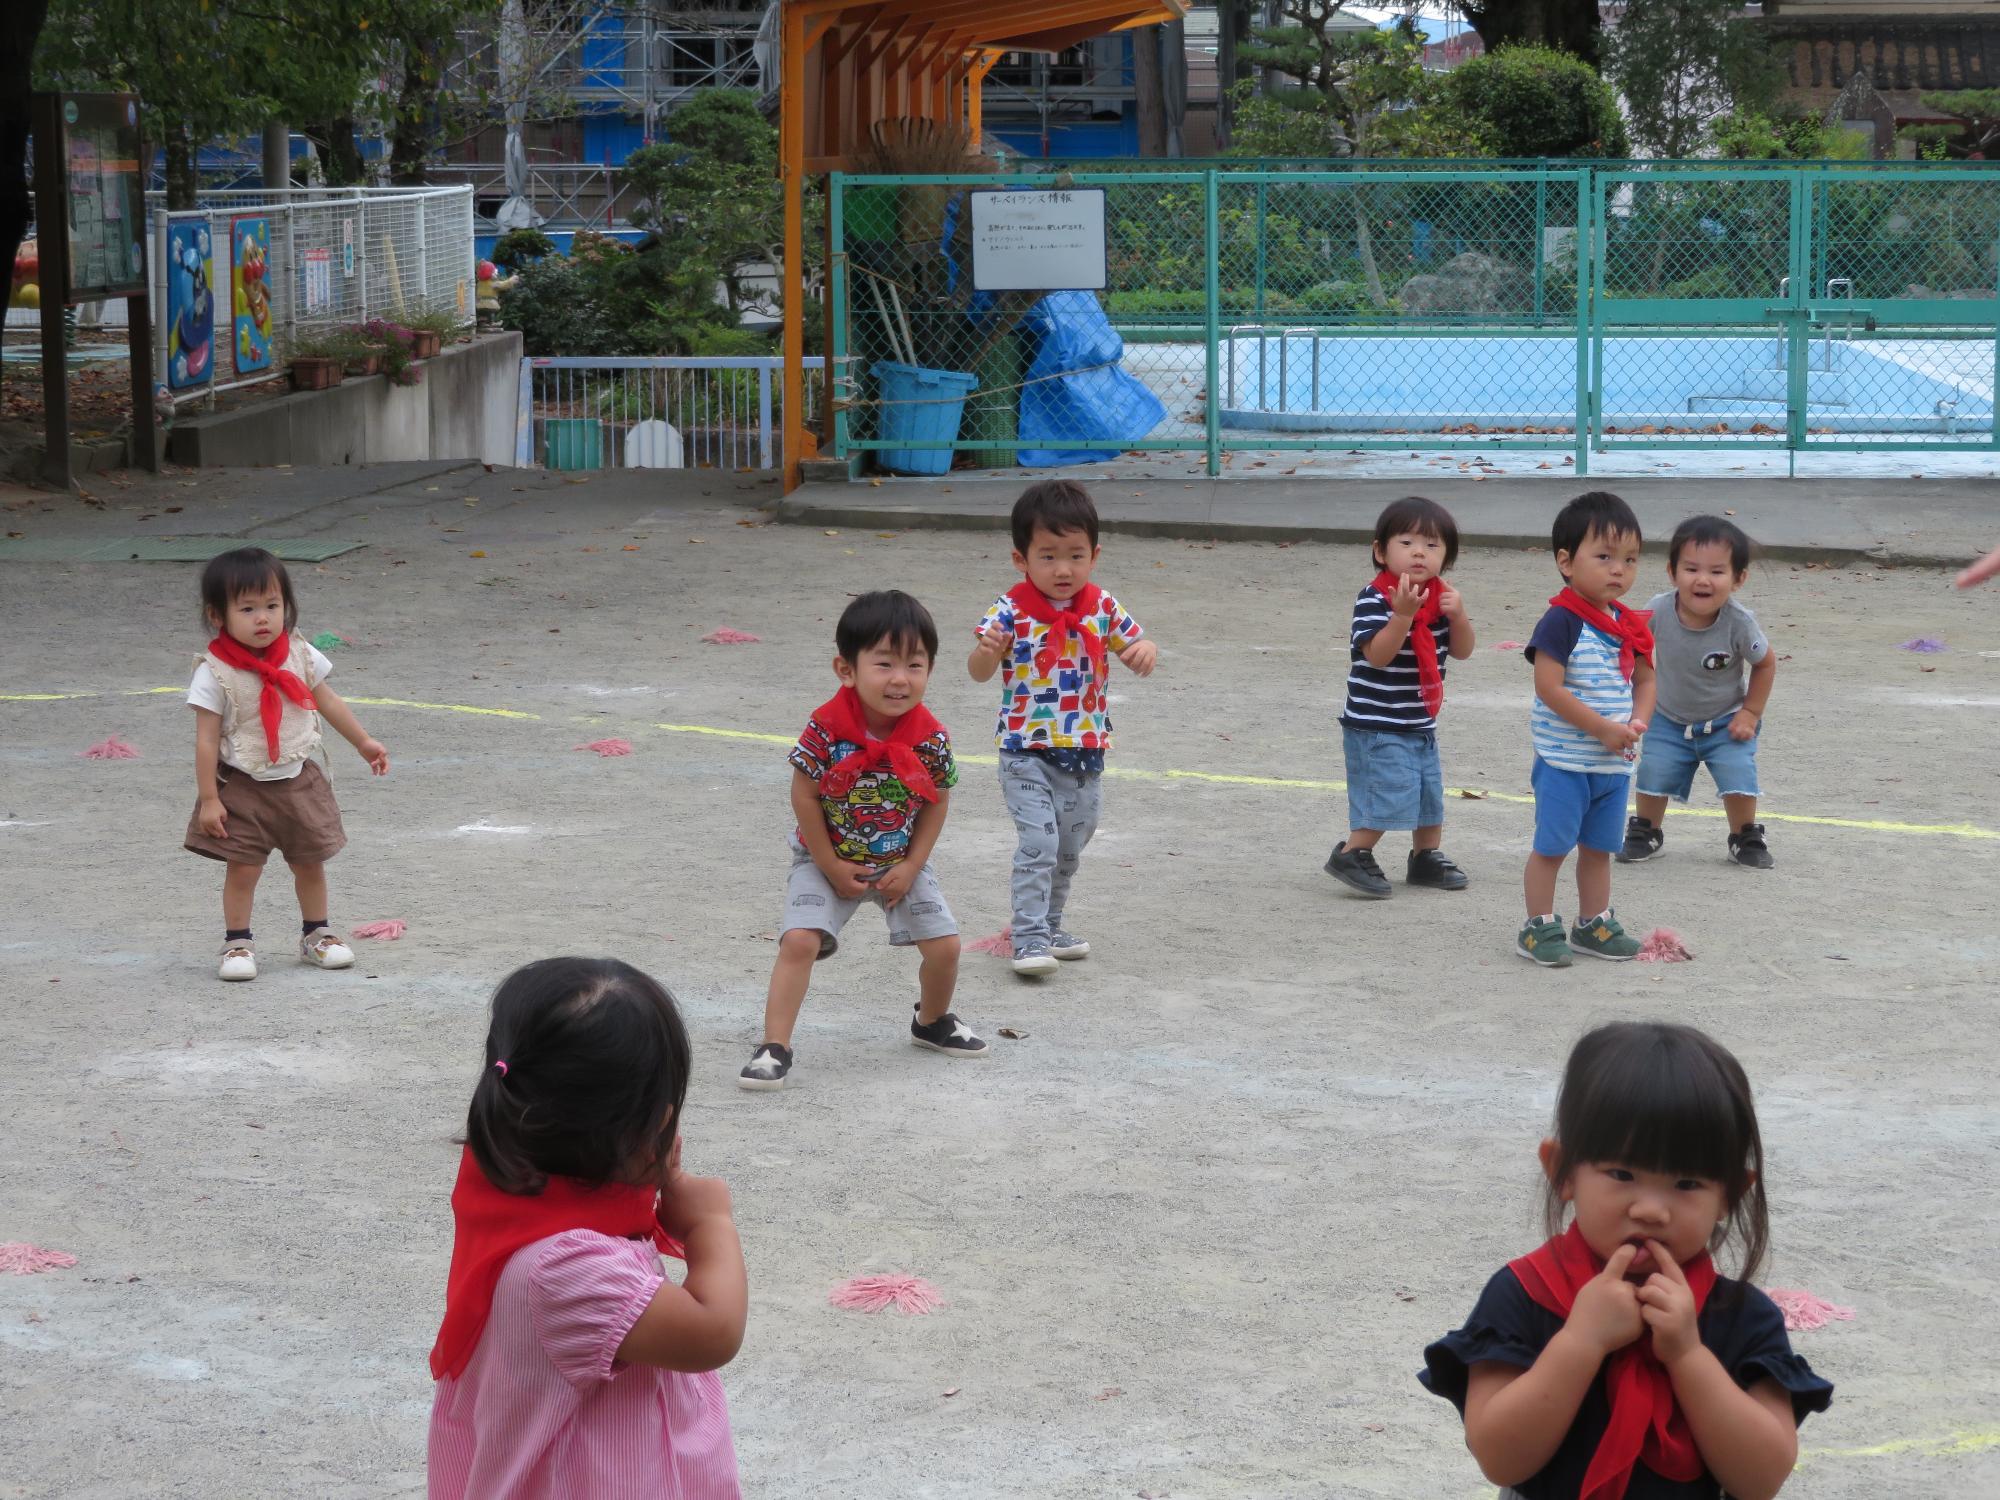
<point>489,1226</point>
<point>1032,603</point>
<point>1422,641</point>
<point>1645,1425</point>
<point>271,667</point>
<point>1626,626</point>
<point>841,717</point>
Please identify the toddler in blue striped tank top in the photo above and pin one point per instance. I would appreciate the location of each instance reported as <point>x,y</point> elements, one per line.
<point>1594,690</point>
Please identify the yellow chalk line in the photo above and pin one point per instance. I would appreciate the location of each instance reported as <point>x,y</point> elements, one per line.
<point>1939,1447</point>
<point>1217,778</point>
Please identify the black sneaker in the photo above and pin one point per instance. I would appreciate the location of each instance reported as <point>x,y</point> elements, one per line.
<point>1747,848</point>
<point>1642,841</point>
<point>1358,871</point>
<point>949,1035</point>
<point>768,1067</point>
<point>1429,867</point>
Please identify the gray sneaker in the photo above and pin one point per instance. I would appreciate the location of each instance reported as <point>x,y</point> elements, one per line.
<point>1067,945</point>
<point>1034,959</point>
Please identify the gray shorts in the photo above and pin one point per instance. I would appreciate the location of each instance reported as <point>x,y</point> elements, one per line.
<point>811,904</point>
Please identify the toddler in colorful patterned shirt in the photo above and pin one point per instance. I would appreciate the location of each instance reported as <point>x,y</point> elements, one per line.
<point>1050,637</point>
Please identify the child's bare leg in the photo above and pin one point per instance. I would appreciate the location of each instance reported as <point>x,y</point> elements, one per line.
<point>1428,838</point>
<point>1740,810</point>
<point>1653,810</point>
<point>937,977</point>
<point>1593,882</point>
<point>1538,883</point>
<point>310,880</point>
<point>239,891</point>
<point>1362,838</point>
<point>798,951</point>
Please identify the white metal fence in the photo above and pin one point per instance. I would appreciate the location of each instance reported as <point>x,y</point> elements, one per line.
<point>337,257</point>
<point>660,412</point>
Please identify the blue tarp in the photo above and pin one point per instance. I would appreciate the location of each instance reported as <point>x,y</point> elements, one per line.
<point>1093,398</point>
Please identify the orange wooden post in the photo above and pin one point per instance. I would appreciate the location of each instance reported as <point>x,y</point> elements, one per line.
<point>792,149</point>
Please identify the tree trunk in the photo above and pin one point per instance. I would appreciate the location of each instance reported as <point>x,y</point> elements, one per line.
<point>1364,247</point>
<point>277,155</point>
<point>1150,91</point>
<point>339,155</point>
<point>409,145</point>
<point>181,180</point>
<point>1568,24</point>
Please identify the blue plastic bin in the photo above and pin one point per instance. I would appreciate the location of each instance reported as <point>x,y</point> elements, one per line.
<point>919,406</point>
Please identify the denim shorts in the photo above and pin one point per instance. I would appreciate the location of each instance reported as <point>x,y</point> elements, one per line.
<point>1671,751</point>
<point>1393,778</point>
<point>1578,809</point>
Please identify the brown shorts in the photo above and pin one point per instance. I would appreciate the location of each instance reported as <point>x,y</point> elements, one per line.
<point>298,817</point>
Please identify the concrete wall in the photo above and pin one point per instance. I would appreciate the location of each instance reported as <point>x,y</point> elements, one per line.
<point>463,409</point>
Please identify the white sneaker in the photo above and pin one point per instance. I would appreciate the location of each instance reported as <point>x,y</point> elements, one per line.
<point>239,961</point>
<point>323,949</point>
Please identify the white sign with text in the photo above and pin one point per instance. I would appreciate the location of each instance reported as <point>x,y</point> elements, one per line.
<point>1038,240</point>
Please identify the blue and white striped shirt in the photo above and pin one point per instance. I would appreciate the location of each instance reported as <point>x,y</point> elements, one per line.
<point>1388,697</point>
<point>1590,670</point>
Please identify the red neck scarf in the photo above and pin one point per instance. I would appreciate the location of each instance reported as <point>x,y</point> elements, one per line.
<point>488,1226</point>
<point>1034,604</point>
<point>1422,642</point>
<point>1627,626</point>
<point>841,716</point>
<point>1645,1424</point>
<point>270,666</point>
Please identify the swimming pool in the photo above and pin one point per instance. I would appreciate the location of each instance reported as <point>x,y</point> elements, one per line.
<point>1692,384</point>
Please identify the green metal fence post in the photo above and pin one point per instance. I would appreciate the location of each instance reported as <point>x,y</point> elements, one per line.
<point>1588,191</point>
<point>1211,236</point>
<point>836,384</point>
<point>1541,217</point>
<point>1262,221</point>
<point>1797,343</point>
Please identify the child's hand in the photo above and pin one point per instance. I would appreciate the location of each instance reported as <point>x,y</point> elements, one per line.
<point>1621,739</point>
<point>995,643</point>
<point>1743,726</point>
<point>1406,598</point>
<point>1140,656</point>
<point>1451,603</point>
<point>375,755</point>
<point>894,883</point>
<point>850,881</point>
<point>1980,571</point>
<point>687,1200</point>
<point>1667,1305</point>
<point>214,820</point>
<point>1606,1314</point>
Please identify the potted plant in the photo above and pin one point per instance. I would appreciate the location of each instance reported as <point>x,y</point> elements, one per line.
<point>364,353</point>
<point>431,327</point>
<point>318,360</point>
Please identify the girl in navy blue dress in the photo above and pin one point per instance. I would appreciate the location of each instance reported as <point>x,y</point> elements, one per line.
<point>1614,1363</point>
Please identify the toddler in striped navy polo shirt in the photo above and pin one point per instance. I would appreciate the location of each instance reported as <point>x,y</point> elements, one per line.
<point>1407,619</point>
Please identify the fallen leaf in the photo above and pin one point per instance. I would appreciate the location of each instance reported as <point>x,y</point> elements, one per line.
<point>1108,1392</point>
<point>887,536</point>
<point>951,1390</point>
<point>831,533</point>
<point>1373,1426</point>
<point>876,482</point>
<point>630,547</point>
<point>1472,794</point>
<point>1012,1035</point>
<point>475,554</point>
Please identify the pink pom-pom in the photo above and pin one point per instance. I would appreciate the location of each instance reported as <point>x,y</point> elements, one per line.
<point>1507,646</point>
<point>1664,946</point>
<point>607,747</point>
<point>110,749</point>
<point>1001,942</point>
<point>1926,645</point>
<point>390,928</point>
<point>910,1294</point>
<point>1804,1312</point>
<point>727,637</point>
<point>21,1259</point>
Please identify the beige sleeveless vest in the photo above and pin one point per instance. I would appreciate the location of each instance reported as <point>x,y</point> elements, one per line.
<point>298,728</point>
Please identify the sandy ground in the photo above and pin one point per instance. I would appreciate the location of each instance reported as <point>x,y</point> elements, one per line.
<point>1195,1228</point>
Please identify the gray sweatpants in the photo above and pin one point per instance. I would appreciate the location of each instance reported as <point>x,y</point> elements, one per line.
<point>1055,813</point>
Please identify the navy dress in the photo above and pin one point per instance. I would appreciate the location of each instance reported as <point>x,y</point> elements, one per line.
<point>1741,1326</point>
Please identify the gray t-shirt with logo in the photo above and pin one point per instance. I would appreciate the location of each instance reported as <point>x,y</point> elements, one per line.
<point>1701,672</point>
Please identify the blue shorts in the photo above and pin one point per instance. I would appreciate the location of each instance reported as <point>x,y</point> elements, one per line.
<point>1393,778</point>
<point>1671,751</point>
<point>1578,809</point>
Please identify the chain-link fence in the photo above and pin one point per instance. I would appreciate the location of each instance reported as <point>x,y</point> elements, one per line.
<point>247,276</point>
<point>1566,305</point>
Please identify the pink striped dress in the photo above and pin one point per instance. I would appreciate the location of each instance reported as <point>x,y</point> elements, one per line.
<point>545,1412</point>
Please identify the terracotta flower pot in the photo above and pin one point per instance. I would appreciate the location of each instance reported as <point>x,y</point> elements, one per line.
<point>315,374</point>
<point>366,364</point>
<point>424,344</point>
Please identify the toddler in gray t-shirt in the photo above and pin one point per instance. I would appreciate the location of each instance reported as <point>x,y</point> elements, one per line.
<point>1714,669</point>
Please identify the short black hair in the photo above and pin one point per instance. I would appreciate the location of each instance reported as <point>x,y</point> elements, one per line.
<point>1413,513</point>
<point>245,570</point>
<point>1594,511</point>
<point>596,1073</point>
<point>1055,505</point>
<point>885,614</point>
<point>1701,531</point>
<point>1664,1098</point>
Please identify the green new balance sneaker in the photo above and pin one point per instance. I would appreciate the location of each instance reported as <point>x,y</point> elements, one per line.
<point>1541,939</point>
<point>1604,938</point>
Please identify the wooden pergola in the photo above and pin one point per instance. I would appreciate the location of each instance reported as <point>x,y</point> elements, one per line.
<point>848,64</point>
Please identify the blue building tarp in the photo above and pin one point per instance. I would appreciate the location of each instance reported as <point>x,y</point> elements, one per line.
<point>1091,397</point>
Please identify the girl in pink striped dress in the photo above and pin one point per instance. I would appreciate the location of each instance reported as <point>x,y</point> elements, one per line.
<point>568,1364</point>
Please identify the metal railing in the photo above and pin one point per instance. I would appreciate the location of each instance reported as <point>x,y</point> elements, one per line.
<point>332,257</point>
<point>566,194</point>
<point>657,412</point>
